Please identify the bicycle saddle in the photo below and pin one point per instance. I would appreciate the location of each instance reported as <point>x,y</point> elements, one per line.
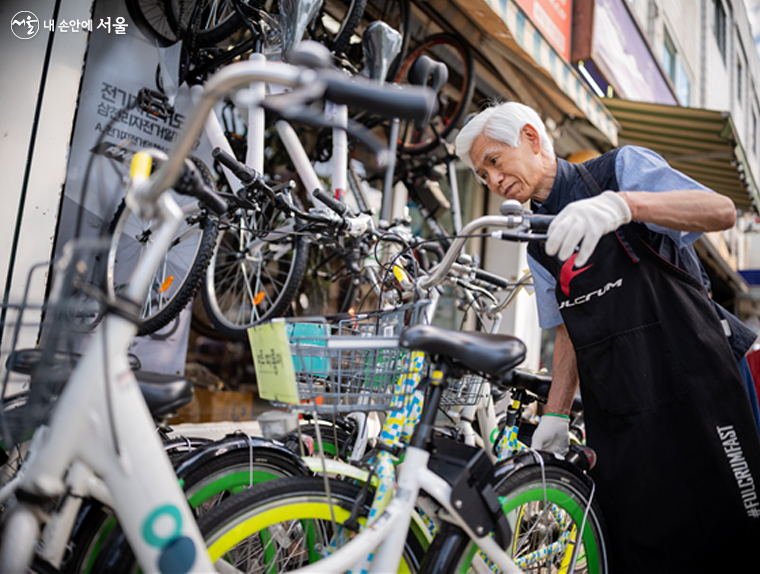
<point>162,393</point>
<point>26,362</point>
<point>493,355</point>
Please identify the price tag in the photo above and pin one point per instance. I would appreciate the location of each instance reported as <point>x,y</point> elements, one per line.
<point>272,360</point>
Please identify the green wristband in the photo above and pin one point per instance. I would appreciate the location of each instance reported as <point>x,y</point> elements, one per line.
<point>559,416</point>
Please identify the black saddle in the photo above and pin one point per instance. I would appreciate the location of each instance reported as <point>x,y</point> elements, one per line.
<point>492,355</point>
<point>162,393</point>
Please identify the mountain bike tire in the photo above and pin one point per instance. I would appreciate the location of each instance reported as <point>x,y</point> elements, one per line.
<point>253,279</point>
<point>205,486</point>
<point>150,18</point>
<point>522,496</point>
<point>347,14</point>
<point>179,276</point>
<point>453,99</point>
<point>283,523</point>
<point>214,22</point>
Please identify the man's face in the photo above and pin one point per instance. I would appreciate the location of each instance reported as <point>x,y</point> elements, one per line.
<point>513,173</point>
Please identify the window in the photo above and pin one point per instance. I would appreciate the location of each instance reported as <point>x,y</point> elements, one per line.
<point>739,72</point>
<point>669,56</point>
<point>754,132</point>
<point>682,84</point>
<point>719,27</point>
<point>675,70</point>
<point>741,57</point>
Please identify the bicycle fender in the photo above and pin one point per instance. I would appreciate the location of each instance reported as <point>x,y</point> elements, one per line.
<point>236,442</point>
<point>525,458</point>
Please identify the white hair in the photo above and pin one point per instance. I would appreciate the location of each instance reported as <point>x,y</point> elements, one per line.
<point>502,122</point>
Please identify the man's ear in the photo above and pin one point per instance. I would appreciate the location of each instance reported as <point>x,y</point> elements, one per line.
<point>531,135</point>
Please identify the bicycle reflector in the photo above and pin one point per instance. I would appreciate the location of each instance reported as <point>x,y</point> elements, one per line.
<point>582,456</point>
<point>166,284</point>
<point>140,167</point>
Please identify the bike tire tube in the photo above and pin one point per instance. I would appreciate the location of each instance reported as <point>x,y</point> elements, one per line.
<point>189,283</point>
<point>221,268</point>
<point>347,27</point>
<point>455,552</point>
<point>150,18</point>
<point>298,501</point>
<point>230,472</point>
<point>465,93</point>
<point>202,37</point>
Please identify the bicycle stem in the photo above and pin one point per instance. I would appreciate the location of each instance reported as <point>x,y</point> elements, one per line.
<point>438,274</point>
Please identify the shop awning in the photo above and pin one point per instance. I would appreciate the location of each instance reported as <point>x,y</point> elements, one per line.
<point>703,144</point>
<point>529,58</point>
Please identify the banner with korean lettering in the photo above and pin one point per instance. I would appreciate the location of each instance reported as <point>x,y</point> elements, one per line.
<point>109,128</point>
<point>553,18</point>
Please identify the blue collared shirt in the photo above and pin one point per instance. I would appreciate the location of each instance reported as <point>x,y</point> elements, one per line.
<point>636,169</point>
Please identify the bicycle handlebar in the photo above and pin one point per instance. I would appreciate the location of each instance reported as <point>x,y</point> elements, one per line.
<point>487,277</point>
<point>337,206</point>
<point>390,100</point>
<point>520,224</point>
<point>408,101</point>
<point>191,183</point>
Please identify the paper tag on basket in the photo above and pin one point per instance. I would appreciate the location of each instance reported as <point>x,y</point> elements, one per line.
<point>274,367</point>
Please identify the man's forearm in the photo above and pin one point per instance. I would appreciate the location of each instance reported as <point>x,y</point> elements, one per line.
<point>686,210</point>
<point>565,375</point>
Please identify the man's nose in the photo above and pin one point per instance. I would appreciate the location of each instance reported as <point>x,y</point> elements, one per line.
<point>494,177</point>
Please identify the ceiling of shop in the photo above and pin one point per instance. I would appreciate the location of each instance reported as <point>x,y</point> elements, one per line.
<point>700,143</point>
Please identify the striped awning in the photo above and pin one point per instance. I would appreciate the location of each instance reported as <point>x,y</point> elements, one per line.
<point>703,144</point>
<point>525,47</point>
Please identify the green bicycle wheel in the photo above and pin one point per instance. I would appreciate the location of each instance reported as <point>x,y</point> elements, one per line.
<point>206,485</point>
<point>285,524</point>
<point>545,528</point>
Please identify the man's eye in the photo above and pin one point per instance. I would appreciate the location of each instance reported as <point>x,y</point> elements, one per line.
<point>493,161</point>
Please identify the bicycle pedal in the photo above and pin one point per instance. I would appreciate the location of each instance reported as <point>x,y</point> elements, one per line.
<point>154,103</point>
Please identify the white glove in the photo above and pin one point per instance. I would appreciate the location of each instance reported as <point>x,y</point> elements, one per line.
<point>583,223</point>
<point>552,434</point>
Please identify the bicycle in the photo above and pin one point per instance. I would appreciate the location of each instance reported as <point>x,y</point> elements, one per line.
<point>252,271</point>
<point>308,525</point>
<point>89,448</point>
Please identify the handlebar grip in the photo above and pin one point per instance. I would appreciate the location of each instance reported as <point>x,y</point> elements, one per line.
<point>337,206</point>
<point>405,102</point>
<point>491,278</point>
<point>191,183</point>
<point>540,223</point>
<point>245,174</point>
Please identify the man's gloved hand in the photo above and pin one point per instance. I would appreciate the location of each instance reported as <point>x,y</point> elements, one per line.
<point>583,223</point>
<point>552,434</point>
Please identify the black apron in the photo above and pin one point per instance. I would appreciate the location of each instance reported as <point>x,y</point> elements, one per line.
<point>678,474</point>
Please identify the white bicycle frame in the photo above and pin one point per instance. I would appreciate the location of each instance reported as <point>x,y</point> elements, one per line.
<point>93,449</point>
<point>388,533</point>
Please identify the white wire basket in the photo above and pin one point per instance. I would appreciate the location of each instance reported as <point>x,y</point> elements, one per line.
<point>354,364</point>
<point>463,392</point>
<point>40,341</point>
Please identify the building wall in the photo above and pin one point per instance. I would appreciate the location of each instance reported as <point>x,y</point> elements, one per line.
<point>716,82</point>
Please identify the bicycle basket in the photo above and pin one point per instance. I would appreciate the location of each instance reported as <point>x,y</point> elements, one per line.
<point>40,342</point>
<point>354,364</point>
<point>463,392</point>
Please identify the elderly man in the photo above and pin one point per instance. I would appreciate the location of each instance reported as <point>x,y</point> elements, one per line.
<point>665,406</point>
